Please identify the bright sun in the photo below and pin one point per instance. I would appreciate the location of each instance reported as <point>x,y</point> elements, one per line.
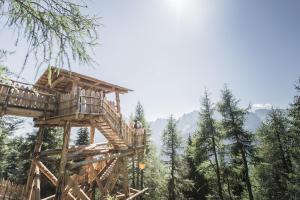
<point>191,11</point>
<point>179,7</point>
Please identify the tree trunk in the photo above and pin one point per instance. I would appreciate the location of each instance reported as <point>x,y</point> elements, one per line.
<point>218,169</point>
<point>245,162</point>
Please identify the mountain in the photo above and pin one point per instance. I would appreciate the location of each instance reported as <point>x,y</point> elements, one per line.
<point>187,123</point>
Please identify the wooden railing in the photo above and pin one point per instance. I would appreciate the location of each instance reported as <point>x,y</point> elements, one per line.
<point>24,96</point>
<point>10,190</point>
<point>133,137</point>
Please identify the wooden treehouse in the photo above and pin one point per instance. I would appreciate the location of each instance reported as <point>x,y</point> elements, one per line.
<point>74,100</point>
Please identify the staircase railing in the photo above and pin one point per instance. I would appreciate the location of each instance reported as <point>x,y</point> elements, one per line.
<point>133,137</point>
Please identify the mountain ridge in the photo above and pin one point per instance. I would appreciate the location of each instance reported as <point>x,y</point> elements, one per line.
<point>187,123</point>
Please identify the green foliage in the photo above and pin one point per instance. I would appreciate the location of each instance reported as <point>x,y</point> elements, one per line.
<point>56,31</point>
<point>171,150</point>
<point>139,115</point>
<point>155,175</point>
<point>205,149</point>
<point>7,127</point>
<point>82,137</point>
<point>240,145</point>
<point>199,188</point>
<point>294,141</point>
<point>20,154</point>
<point>274,170</point>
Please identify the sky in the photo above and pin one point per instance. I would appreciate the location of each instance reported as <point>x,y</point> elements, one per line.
<point>169,51</point>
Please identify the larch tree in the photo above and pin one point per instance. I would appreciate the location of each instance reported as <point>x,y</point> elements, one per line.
<point>207,145</point>
<point>56,32</point>
<point>274,170</point>
<point>240,140</point>
<point>83,137</point>
<point>171,148</point>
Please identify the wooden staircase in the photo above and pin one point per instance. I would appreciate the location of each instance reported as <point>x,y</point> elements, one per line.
<point>114,129</point>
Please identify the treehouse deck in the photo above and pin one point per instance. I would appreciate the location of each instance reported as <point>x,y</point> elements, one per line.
<point>68,100</point>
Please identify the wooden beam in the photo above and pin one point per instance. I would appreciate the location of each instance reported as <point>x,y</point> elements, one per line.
<point>99,184</point>
<point>37,149</point>
<point>76,189</point>
<point>51,177</point>
<point>108,157</point>
<point>92,135</point>
<point>63,161</point>
<point>118,102</point>
<point>57,81</point>
<point>137,194</point>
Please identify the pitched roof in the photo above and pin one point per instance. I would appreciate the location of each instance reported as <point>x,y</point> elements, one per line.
<point>61,80</point>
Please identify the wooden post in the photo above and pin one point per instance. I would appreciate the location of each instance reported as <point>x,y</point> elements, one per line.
<point>138,173</point>
<point>37,185</point>
<point>63,161</point>
<point>92,135</point>
<point>76,94</point>
<point>133,172</point>
<point>118,102</point>
<point>32,170</point>
<point>125,176</point>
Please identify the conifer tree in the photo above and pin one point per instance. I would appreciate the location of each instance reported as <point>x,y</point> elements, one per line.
<point>7,127</point>
<point>20,157</point>
<point>241,147</point>
<point>294,141</point>
<point>199,189</point>
<point>155,178</point>
<point>206,146</point>
<point>274,170</point>
<point>171,149</point>
<point>57,31</point>
<point>82,136</point>
<point>140,114</point>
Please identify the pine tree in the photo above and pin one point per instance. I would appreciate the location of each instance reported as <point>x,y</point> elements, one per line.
<point>140,114</point>
<point>171,149</point>
<point>294,141</point>
<point>82,137</point>
<point>20,155</point>
<point>274,170</point>
<point>199,189</point>
<point>206,146</point>
<point>7,127</point>
<point>155,178</point>
<point>241,147</point>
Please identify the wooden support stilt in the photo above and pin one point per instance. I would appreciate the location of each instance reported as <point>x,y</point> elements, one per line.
<point>133,171</point>
<point>138,173</point>
<point>92,135</point>
<point>125,176</point>
<point>63,161</point>
<point>32,170</point>
<point>118,102</point>
<point>37,184</point>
